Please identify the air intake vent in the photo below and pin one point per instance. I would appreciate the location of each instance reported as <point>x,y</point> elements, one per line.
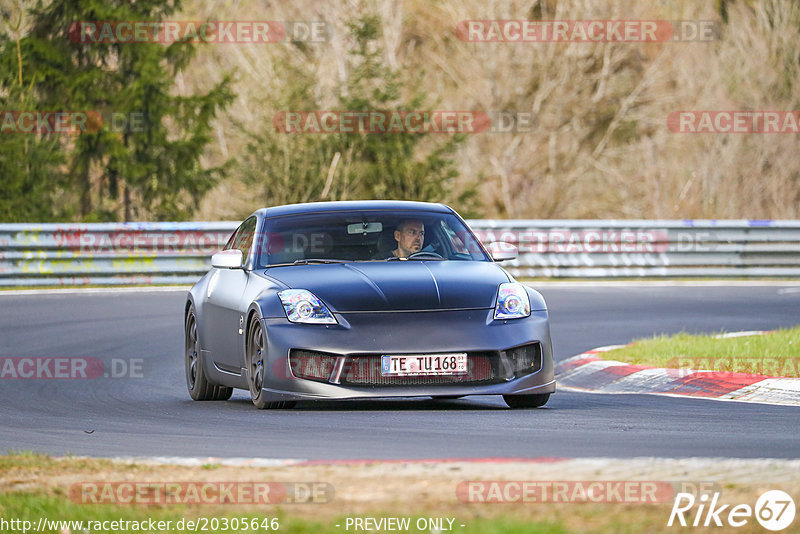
<point>525,360</point>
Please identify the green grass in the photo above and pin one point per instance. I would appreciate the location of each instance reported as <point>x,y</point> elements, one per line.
<point>24,459</point>
<point>33,486</point>
<point>773,354</point>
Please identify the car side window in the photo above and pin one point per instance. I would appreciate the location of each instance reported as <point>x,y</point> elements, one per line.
<point>231,239</point>
<point>242,239</point>
<point>462,244</point>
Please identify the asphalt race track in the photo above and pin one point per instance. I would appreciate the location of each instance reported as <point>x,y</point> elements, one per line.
<point>151,414</point>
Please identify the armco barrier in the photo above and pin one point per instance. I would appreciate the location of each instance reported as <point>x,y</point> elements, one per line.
<point>179,253</point>
<point>648,248</point>
<point>108,253</point>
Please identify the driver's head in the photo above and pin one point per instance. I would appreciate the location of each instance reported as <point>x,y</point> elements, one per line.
<point>410,234</point>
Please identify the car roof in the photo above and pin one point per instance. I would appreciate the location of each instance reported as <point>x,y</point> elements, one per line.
<point>347,205</point>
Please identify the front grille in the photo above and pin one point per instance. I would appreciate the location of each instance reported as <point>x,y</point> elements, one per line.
<point>365,370</point>
<point>483,368</point>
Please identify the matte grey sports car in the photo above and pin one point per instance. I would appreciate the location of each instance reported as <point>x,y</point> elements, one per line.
<point>355,300</point>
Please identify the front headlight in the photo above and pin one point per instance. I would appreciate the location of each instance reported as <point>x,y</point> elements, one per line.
<point>512,302</point>
<point>302,306</point>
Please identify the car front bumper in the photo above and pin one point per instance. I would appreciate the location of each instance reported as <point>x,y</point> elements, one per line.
<point>405,333</point>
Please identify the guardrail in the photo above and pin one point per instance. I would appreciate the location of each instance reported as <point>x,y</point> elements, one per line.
<point>108,253</point>
<point>179,253</point>
<point>648,248</point>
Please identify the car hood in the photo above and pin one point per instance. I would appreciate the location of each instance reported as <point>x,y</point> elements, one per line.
<point>406,285</point>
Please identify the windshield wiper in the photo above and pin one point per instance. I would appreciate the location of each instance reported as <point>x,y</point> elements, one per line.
<point>418,256</point>
<point>306,261</point>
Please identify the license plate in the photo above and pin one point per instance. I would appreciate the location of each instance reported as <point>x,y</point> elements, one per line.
<point>423,364</point>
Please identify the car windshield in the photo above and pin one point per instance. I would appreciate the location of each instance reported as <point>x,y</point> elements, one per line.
<point>332,237</point>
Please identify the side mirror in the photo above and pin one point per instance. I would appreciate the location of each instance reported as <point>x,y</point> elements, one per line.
<point>502,251</point>
<point>227,259</point>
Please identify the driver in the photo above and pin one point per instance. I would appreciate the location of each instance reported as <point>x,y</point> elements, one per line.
<point>409,234</point>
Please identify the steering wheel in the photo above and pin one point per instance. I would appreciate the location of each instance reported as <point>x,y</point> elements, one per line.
<point>425,253</point>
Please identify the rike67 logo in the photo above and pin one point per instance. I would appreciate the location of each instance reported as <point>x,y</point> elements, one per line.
<point>774,510</point>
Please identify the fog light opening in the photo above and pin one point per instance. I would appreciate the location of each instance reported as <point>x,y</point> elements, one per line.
<point>525,360</point>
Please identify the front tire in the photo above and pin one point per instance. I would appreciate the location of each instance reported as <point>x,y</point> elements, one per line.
<point>526,401</point>
<point>200,387</point>
<point>256,369</point>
